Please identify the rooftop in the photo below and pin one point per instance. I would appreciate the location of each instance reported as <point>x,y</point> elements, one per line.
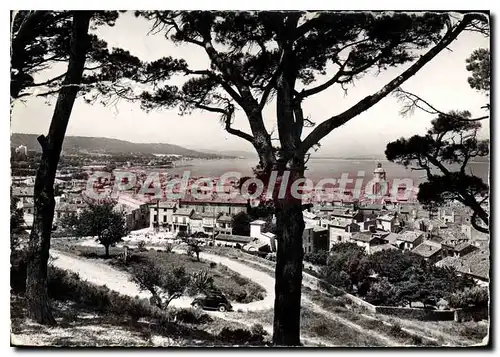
<point>410,236</point>
<point>363,237</point>
<point>476,264</point>
<point>426,250</point>
<point>224,218</point>
<point>378,248</point>
<point>183,212</point>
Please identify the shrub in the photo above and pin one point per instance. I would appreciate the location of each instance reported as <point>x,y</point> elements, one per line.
<point>258,329</point>
<point>240,336</point>
<point>318,258</point>
<point>395,330</point>
<point>416,340</point>
<point>192,316</point>
<point>476,296</point>
<point>169,247</point>
<point>200,281</point>
<point>141,245</point>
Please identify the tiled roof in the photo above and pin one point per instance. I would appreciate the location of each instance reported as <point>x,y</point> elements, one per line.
<point>196,215</point>
<point>167,204</point>
<point>392,237</point>
<point>259,222</point>
<point>426,250</point>
<point>476,264</point>
<point>410,236</point>
<point>378,248</point>
<point>460,247</point>
<point>363,237</point>
<point>183,212</point>
<point>373,207</point>
<point>387,217</point>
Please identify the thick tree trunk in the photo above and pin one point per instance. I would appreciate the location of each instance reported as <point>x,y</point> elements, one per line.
<point>289,226</point>
<point>39,241</point>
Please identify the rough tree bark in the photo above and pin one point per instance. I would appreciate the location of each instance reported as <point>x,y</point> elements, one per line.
<point>44,203</point>
<point>289,218</point>
<point>289,229</point>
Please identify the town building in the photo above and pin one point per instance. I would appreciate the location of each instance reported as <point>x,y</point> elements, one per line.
<point>408,240</point>
<point>223,224</point>
<point>182,220</point>
<point>476,265</point>
<point>315,238</point>
<point>341,231</point>
<point>216,204</point>
<point>388,222</point>
<point>367,241</point>
<point>162,214</point>
<point>257,233</point>
<point>429,250</point>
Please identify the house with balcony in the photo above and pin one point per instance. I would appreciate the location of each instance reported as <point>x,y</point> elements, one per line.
<point>162,214</point>
<point>209,220</point>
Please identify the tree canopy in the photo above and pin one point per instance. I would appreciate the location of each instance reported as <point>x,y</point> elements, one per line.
<point>103,222</point>
<point>452,141</point>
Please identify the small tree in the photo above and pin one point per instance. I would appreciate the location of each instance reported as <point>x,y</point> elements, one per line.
<point>164,285</point>
<point>194,247</point>
<point>102,221</point>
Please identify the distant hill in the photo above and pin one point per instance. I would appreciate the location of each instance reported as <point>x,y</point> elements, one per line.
<point>84,144</point>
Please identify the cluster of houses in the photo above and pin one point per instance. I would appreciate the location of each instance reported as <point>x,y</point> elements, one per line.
<point>444,237</point>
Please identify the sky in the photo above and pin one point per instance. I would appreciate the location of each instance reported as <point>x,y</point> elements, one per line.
<point>443,82</point>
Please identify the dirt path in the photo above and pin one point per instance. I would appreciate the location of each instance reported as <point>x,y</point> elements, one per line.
<point>100,273</point>
<point>318,309</point>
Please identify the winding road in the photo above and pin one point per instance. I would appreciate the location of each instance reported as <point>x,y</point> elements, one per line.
<point>101,273</point>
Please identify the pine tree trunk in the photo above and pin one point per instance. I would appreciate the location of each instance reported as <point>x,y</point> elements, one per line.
<point>44,203</point>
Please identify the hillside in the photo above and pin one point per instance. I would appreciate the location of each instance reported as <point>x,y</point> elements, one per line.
<point>84,144</point>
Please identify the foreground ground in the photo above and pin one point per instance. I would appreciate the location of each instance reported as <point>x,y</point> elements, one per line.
<point>326,320</point>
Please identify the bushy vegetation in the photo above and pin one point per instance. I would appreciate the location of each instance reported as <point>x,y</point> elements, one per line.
<point>319,257</point>
<point>202,276</point>
<point>240,336</point>
<point>393,277</point>
<point>475,296</point>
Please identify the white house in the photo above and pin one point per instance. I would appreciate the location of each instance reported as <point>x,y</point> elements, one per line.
<point>265,237</point>
<point>182,220</point>
<point>388,222</point>
<point>162,213</point>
